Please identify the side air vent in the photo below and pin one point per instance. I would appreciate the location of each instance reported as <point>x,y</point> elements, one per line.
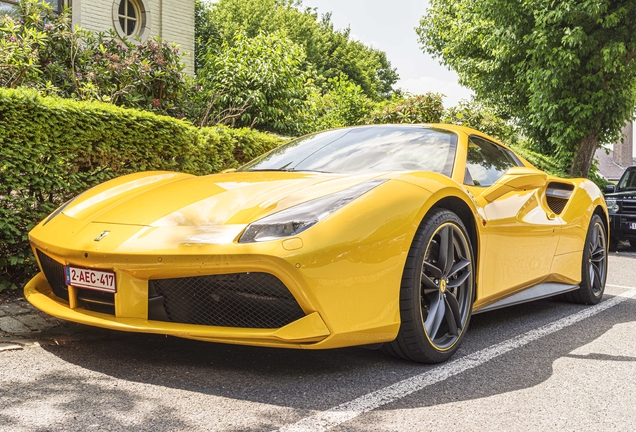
<point>557,196</point>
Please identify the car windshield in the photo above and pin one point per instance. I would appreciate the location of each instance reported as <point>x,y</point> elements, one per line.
<point>364,149</point>
<point>628,181</point>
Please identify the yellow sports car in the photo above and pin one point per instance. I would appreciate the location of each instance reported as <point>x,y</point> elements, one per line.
<point>367,235</point>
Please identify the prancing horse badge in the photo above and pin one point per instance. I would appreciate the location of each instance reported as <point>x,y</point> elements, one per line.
<point>102,235</point>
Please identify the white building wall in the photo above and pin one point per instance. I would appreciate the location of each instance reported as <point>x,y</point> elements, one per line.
<point>94,14</point>
<point>172,20</point>
<point>177,24</point>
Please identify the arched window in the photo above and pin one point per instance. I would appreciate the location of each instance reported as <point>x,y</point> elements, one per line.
<point>129,17</point>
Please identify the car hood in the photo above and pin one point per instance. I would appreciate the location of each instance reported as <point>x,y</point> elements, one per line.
<point>631,194</point>
<point>172,199</point>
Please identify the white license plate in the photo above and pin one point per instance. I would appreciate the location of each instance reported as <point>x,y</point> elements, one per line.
<point>632,225</point>
<point>92,279</point>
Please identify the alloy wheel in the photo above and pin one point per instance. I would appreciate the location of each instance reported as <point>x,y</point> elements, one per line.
<point>597,264</point>
<point>446,286</point>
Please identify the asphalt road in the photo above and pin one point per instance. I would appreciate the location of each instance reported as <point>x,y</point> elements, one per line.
<point>544,365</point>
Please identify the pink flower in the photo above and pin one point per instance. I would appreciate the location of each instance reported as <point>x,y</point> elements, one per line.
<point>155,103</point>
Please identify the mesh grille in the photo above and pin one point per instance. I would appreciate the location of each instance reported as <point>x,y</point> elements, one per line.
<point>248,300</point>
<point>556,204</point>
<point>54,273</point>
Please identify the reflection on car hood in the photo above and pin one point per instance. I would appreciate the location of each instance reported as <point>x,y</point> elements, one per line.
<point>170,199</point>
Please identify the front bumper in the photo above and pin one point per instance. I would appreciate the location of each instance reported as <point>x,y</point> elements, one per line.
<point>309,329</point>
<point>620,226</point>
<point>345,281</point>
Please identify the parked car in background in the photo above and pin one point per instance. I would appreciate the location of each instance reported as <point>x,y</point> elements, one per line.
<point>621,204</point>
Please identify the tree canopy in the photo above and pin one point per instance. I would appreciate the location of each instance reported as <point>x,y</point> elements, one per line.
<point>329,52</point>
<point>565,71</point>
<point>255,81</point>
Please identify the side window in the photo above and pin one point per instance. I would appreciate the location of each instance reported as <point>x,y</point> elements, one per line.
<point>486,162</point>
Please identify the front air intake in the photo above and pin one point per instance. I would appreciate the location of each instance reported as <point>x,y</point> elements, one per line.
<point>54,273</point>
<point>246,300</point>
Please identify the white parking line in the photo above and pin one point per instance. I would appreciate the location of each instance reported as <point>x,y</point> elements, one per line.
<point>619,286</point>
<point>335,416</point>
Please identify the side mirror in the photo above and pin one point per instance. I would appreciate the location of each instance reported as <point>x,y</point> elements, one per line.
<point>610,189</point>
<point>516,178</point>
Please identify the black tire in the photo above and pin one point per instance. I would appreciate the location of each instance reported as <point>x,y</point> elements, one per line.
<point>436,294</point>
<point>593,267</point>
<point>613,244</point>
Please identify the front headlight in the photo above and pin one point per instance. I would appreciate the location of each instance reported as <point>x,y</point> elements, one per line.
<point>297,219</point>
<point>612,205</point>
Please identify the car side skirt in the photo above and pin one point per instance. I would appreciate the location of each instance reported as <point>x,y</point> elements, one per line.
<point>540,291</point>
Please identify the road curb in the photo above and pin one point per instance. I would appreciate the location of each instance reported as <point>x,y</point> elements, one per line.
<point>22,326</point>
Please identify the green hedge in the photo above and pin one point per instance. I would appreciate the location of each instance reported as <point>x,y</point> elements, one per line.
<point>51,149</point>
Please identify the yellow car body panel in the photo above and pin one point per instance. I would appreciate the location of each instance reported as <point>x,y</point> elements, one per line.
<point>344,272</point>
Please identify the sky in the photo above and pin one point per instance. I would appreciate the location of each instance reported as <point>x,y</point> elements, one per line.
<point>390,27</point>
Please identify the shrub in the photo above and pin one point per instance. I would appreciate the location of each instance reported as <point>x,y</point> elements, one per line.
<point>54,148</point>
<point>477,115</point>
<point>426,108</point>
<point>40,49</point>
<point>344,104</point>
<point>545,163</point>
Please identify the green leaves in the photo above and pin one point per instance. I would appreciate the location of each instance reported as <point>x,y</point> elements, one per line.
<point>562,70</point>
<point>328,52</point>
<point>254,82</point>
<point>344,104</point>
<point>408,108</point>
<point>479,116</point>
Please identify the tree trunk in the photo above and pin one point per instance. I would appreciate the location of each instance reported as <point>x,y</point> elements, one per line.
<point>584,156</point>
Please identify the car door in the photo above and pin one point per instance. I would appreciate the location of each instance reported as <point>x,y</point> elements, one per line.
<point>520,235</point>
